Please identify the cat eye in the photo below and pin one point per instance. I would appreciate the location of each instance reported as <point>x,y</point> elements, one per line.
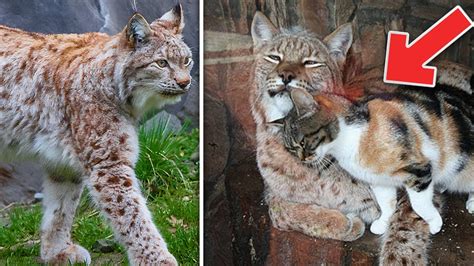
<point>162,63</point>
<point>302,143</point>
<point>273,58</point>
<point>312,63</point>
<point>187,61</point>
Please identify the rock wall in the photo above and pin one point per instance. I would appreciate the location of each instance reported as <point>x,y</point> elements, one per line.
<point>233,195</point>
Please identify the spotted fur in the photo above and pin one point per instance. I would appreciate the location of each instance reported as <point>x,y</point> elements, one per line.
<point>72,102</point>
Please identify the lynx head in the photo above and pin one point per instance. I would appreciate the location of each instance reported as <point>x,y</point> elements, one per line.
<point>157,68</point>
<point>288,59</point>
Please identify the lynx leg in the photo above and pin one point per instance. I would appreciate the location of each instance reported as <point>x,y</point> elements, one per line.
<point>117,192</point>
<point>387,199</point>
<point>422,204</point>
<point>59,206</point>
<point>315,221</point>
<point>470,203</point>
<point>408,237</point>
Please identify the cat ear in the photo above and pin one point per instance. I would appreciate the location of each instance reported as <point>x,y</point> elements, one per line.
<point>172,20</point>
<point>339,43</point>
<point>303,101</point>
<point>137,30</point>
<point>262,29</point>
<point>278,122</point>
<point>324,102</point>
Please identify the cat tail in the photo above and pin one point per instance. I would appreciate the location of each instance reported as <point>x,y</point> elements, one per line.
<point>455,75</point>
<point>408,238</point>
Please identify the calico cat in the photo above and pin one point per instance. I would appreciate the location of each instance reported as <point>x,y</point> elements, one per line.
<point>413,138</point>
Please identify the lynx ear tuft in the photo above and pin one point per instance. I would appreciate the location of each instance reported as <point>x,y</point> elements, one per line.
<point>262,29</point>
<point>137,30</point>
<point>339,43</point>
<point>303,101</point>
<point>172,20</point>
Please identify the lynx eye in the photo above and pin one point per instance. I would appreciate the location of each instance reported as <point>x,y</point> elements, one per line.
<point>162,63</point>
<point>187,61</point>
<point>302,143</point>
<point>273,58</point>
<point>312,63</point>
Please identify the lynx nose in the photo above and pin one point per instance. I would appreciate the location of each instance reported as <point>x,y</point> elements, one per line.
<point>286,76</point>
<point>182,83</point>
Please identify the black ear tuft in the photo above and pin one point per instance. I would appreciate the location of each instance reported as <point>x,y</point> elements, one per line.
<point>262,29</point>
<point>172,20</point>
<point>137,30</point>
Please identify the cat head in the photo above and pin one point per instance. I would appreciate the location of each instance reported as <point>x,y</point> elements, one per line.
<point>287,59</point>
<point>157,68</point>
<point>310,125</point>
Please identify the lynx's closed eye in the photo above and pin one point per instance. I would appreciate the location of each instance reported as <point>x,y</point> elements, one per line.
<point>187,61</point>
<point>162,63</point>
<point>273,58</point>
<point>312,63</point>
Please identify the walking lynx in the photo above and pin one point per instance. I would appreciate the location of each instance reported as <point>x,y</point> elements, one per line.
<point>73,102</point>
<point>318,201</point>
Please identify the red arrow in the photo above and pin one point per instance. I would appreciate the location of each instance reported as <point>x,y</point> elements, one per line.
<point>406,63</point>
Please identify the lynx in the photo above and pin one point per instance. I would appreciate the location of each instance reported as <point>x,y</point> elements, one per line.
<point>321,201</point>
<point>73,102</point>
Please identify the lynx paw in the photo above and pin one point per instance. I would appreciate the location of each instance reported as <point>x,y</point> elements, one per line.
<point>435,224</point>
<point>379,227</point>
<point>70,255</point>
<point>470,206</point>
<point>357,228</point>
<point>165,259</point>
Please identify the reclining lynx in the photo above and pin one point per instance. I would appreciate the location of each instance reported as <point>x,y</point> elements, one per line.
<point>318,201</point>
<point>72,102</point>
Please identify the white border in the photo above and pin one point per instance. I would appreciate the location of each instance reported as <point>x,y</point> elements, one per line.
<point>424,65</point>
<point>201,132</point>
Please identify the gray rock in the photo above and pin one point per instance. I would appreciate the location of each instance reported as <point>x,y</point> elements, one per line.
<point>104,246</point>
<point>19,182</point>
<point>171,122</point>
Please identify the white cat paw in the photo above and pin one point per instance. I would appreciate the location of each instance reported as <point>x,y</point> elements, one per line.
<point>435,224</point>
<point>470,206</point>
<point>379,227</point>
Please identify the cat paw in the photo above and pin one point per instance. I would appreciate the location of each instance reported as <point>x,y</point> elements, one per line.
<point>435,224</point>
<point>379,227</point>
<point>470,206</point>
<point>70,255</point>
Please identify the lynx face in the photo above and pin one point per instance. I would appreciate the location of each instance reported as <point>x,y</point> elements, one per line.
<point>295,59</point>
<point>157,70</point>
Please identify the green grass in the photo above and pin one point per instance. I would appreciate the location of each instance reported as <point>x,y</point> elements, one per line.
<point>169,181</point>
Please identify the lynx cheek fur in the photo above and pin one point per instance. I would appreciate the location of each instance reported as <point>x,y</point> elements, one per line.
<point>72,102</point>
